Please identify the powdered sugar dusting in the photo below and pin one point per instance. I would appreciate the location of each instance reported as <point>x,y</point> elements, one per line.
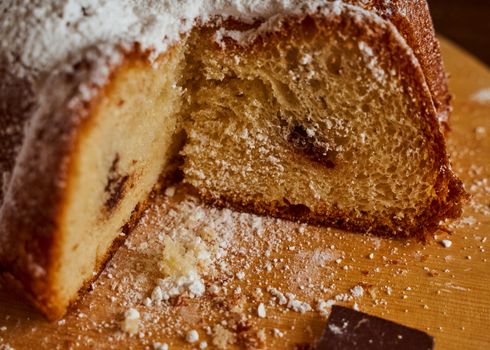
<point>39,35</point>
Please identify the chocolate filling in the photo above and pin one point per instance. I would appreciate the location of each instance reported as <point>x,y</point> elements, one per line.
<point>298,137</point>
<point>116,185</point>
<point>295,210</point>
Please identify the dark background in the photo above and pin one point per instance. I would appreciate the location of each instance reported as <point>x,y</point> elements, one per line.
<point>466,23</point>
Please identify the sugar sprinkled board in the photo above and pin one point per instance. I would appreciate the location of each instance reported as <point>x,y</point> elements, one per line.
<point>442,287</point>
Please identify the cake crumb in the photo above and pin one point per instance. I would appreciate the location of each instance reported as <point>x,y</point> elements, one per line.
<point>480,130</point>
<point>277,333</point>
<point>297,305</point>
<point>481,96</point>
<point>160,346</point>
<point>446,243</point>
<point>322,306</point>
<point>357,291</point>
<point>222,337</point>
<point>261,312</point>
<point>170,191</point>
<point>261,335</point>
<point>192,336</point>
<point>282,300</point>
<point>131,321</point>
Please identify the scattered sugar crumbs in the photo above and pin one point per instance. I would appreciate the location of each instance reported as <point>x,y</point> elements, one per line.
<point>207,275</point>
<point>245,270</point>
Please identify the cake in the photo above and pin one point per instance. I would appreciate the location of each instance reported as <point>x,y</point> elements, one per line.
<point>328,112</point>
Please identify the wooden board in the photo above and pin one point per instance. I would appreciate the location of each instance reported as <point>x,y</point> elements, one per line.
<point>444,291</point>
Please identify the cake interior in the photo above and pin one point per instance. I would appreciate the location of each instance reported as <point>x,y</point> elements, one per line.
<point>121,153</point>
<point>310,123</point>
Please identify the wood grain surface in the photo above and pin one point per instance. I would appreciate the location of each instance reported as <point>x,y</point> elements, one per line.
<point>443,291</point>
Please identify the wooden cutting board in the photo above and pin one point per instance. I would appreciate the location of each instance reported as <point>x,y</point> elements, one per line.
<point>443,291</point>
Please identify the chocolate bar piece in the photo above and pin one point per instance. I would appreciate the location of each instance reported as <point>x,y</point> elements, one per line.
<point>350,329</point>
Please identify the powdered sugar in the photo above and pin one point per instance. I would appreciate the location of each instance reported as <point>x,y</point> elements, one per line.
<point>297,305</point>
<point>481,96</point>
<point>40,35</point>
<point>357,291</point>
<point>187,256</point>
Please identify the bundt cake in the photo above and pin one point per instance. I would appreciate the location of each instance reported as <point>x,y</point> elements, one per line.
<point>330,112</point>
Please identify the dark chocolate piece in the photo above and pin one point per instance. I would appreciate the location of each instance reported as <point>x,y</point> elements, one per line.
<point>350,329</point>
<point>308,145</point>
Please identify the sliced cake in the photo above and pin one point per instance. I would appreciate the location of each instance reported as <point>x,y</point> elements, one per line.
<point>326,112</point>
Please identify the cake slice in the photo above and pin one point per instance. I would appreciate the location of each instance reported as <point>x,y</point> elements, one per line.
<point>83,174</point>
<point>328,119</point>
<point>316,111</point>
